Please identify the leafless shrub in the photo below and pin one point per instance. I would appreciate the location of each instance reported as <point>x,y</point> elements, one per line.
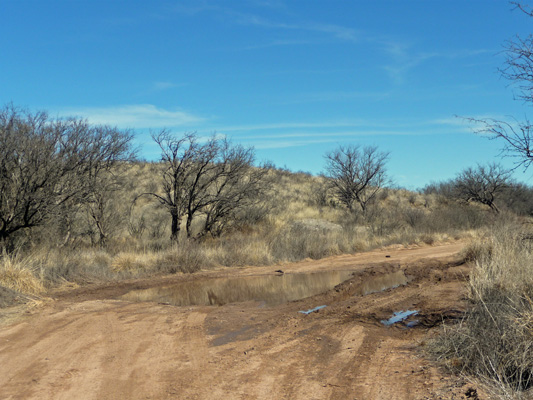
<point>158,227</point>
<point>188,257</point>
<point>384,221</point>
<point>482,184</point>
<point>298,241</point>
<point>137,226</point>
<point>215,180</point>
<point>518,198</point>
<point>455,217</point>
<point>356,175</point>
<point>495,338</point>
<point>319,196</point>
<point>105,215</point>
<point>47,165</point>
<point>414,217</point>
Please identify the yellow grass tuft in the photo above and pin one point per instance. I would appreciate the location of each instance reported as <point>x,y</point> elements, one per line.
<point>133,262</point>
<point>16,274</point>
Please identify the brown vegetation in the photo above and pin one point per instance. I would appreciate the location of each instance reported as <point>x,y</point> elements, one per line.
<point>494,340</point>
<point>94,215</point>
<point>297,218</point>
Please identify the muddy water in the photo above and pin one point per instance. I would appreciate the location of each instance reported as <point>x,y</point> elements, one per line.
<point>270,289</point>
<point>382,282</point>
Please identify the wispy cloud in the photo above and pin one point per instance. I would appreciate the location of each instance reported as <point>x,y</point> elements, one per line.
<point>341,32</point>
<point>164,85</point>
<point>404,58</point>
<point>332,30</point>
<point>139,116</point>
<point>279,4</point>
<point>294,125</point>
<point>361,132</point>
<point>300,139</point>
<point>398,70</point>
<point>278,43</point>
<point>354,127</point>
<point>281,144</point>
<point>250,19</point>
<point>334,96</point>
<point>468,122</point>
<point>297,134</point>
<point>189,8</point>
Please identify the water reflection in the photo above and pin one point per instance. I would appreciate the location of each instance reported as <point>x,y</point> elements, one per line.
<point>382,282</point>
<point>271,289</point>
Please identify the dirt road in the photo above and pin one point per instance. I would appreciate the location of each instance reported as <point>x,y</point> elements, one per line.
<point>89,343</point>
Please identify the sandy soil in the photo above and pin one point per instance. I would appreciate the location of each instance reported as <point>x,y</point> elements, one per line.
<point>89,344</point>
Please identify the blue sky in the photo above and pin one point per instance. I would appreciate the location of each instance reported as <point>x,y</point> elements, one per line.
<point>293,78</point>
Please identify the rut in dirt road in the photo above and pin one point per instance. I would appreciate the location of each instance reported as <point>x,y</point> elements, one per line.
<point>93,344</point>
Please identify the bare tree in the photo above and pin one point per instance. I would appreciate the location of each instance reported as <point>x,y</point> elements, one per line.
<point>212,179</point>
<point>357,175</point>
<point>178,156</point>
<point>482,184</point>
<point>518,197</point>
<point>518,70</point>
<point>204,173</point>
<point>46,164</point>
<point>518,65</point>
<point>517,137</point>
<point>102,205</point>
<point>237,186</point>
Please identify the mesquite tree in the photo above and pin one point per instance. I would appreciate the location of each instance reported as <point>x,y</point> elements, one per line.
<point>482,184</point>
<point>178,156</point>
<point>48,164</point>
<point>357,174</point>
<point>236,186</point>
<point>212,179</point>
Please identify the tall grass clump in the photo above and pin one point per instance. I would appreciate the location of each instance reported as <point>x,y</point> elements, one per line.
<point>494,341</point>
<point>17,274</point>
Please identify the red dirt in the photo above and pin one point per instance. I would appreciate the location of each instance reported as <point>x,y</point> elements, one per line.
<point>89,344</point>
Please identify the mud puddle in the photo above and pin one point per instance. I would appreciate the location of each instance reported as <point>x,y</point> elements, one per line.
<point>268,289</point>
<point>382,282</point>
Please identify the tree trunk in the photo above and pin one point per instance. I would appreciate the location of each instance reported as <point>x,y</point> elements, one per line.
<point>189,225</point>
<point>175,228</point>
<point>494,208</point>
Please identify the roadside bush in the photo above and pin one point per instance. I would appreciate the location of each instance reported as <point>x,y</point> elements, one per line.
<point>299,241</point>
<point>495,339</point>
<point>456,217</point>
<point>187,258</point>
<point>16,274</point>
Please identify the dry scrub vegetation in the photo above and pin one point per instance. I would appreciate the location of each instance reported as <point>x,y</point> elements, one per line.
<point>297,218</point>
<point>494,341</point>
<point>300,218</point>
<point>76,208</point>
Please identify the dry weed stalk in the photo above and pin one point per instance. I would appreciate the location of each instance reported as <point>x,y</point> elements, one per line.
<point>17,274</point>
<point>494,341</point>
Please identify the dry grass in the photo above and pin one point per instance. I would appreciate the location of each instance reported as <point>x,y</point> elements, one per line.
<point>302,221</point>
<point>133,262</point>
<point>494,341</point>
<point>16,274</point>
